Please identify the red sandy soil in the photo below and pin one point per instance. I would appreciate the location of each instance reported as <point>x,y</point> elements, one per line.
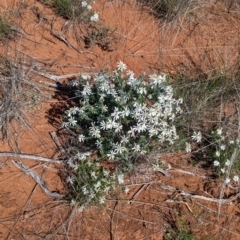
<point>202,41</point>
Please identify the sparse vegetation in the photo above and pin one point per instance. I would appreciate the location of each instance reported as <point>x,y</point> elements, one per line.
<point>102,36</point>
<point>73,9</point>
<point>125,142</point>
<point>6,31</point>
<point>15,93</point>
<point>168,9</point>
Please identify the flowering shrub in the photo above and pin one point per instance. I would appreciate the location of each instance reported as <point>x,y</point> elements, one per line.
<point>121,117</point>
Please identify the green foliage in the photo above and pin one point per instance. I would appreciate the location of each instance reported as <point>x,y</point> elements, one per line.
<point>180,234</point>
<point>180,230</point>
<point>64,8</point>
<point>6,31</point>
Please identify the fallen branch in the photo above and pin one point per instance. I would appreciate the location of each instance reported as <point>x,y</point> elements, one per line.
<point>30,157</point>
<point>56,78</point>
<point>37,178</point>
<point>180,202</point>
<point>55,139</point>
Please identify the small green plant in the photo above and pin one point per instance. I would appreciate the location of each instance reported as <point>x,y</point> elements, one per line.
<point>64,8</point>
<point>73,9</point>
<point>223,150</point>
<point>179,231</point>
<point>122,118</point>
<point>180,234</point>
<point>6,31</point>
<point>89,182</point>
<point>101,36</point>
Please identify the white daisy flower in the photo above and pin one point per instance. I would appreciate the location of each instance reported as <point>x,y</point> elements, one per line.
<point>84,4</point>
<point>227,163</point>
<point>227,180</point>
<point>142,90</point>
<point>126,190</point>
<point>104,108</point>
<point>106,173</point>
<point>85,191</point>
<point>119,148</point>
<point>86,90</point>
<point>121,66</point>
<point>125,112</point>
<point>70,180</point>
<point>94,17</point>
<point>217,153</point>
<point>219,131</point>
<point>93,174</point>
<point>236,178</point>
<point>223,147</point>
<point>111,155</point>
<point>104,87</point>
<point>94,131</point>
<point>136,148</point>
<point>216,163</point>
<point>124,140</point>
<point>111,124</point>
<point>103,125</point>
<point>130,74</point>
<point>121,178</point>
<point>72,121</point>
<point>102,200</point>
<point>102,96</point>
<point>98,143</point>
<point>116,114</point>
<point>81,138</point>
<point>188,148</point>
<point>118,127</point>
<point>197,137</point>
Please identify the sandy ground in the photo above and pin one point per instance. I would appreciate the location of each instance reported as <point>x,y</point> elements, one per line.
<point>201,42</point>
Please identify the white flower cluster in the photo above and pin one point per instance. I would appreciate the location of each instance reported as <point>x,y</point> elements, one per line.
<point>90,181</point>
<point>152,120</point>
<point>94,17</point>
<point>222,161</point>
<point>119,115</point>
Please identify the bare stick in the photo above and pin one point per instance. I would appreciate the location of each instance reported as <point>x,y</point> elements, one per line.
<point>55,139</point>
<point>57,78</point>
<point>30,157</point>
<point>182,202</point>
<point>37,178</point>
